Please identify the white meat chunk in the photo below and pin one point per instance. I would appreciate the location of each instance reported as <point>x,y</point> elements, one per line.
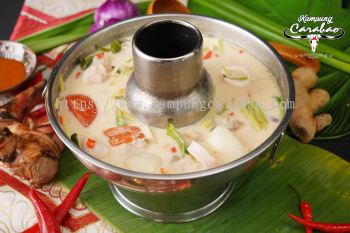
<point>96,72</point>
<point>201,154</point>
<point>224,142</point>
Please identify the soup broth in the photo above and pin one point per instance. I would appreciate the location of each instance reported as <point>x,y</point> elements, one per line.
<point>246,109</point>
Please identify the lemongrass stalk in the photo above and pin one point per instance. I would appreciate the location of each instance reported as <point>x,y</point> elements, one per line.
<point>216,11</point>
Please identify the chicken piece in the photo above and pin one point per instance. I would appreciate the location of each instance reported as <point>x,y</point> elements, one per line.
<point>30,150</point>
<point>23,102</point>
<point>8,143</point>
<point>226,144</point>
<point>95,73</point>
<point>36,159</point>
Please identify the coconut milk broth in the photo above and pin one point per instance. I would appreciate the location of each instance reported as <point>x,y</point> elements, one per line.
<point>160,153</point>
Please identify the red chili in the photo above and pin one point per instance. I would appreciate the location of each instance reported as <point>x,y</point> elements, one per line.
<point>325,227</point>
<point>46,220</point>
<point>77,75</point>
<point>306,212</point>
<point>90,143</point>
<point>173,149</point>
<point>100,55</point>
<point>61,211</point>
<point>208,55</point>
<point>37,113</point>
<point>59,56</point>
<point>304,208</point>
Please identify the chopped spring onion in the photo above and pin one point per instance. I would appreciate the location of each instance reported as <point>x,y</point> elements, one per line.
<point>125,70</point>
<point>74,138</point>
<point>255,115</point>
<point>279,100</point>
<point>174,134</point>
<point>224,109</point>
<point>120,94</point>
<point>116,46</point>
<point>102,49</point>
<point>219,47</point>
<point>122,118</point>
<point>208,120</point>
<point>243,78</point>
<point>85,62</point>
<point>234,73</point>
<point>57,104</point>
<point>60,83</point>
<point>64,125</point>
<point>122,70</point>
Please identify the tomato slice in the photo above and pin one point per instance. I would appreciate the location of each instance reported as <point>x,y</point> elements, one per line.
<point>83,108</point>
<point>123,134</point>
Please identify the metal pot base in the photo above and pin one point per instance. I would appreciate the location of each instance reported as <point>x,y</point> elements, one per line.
<point>172,218</point>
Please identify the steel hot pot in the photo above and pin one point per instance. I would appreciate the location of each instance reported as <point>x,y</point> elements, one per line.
<point>172,197</point>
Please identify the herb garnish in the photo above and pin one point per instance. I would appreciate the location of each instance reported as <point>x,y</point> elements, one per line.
<point>74,139</point>
<point>243,78</point>
<point>102,49</point>
<point>122,118</point>
<point>174,134</point>
<point>280,102</point>
<point>255,115</point>
<point>85,62</point>
<point>116,46</point>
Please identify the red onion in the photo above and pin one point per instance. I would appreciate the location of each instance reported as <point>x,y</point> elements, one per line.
<point>113,11</point>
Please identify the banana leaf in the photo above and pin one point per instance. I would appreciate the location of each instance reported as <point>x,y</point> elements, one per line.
<point>260,205</point>
<point>281,15</point>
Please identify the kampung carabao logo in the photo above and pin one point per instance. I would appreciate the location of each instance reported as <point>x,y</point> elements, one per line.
<point>314,29</point>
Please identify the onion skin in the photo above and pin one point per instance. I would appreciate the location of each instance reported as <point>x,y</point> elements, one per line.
<point>113,11</point>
